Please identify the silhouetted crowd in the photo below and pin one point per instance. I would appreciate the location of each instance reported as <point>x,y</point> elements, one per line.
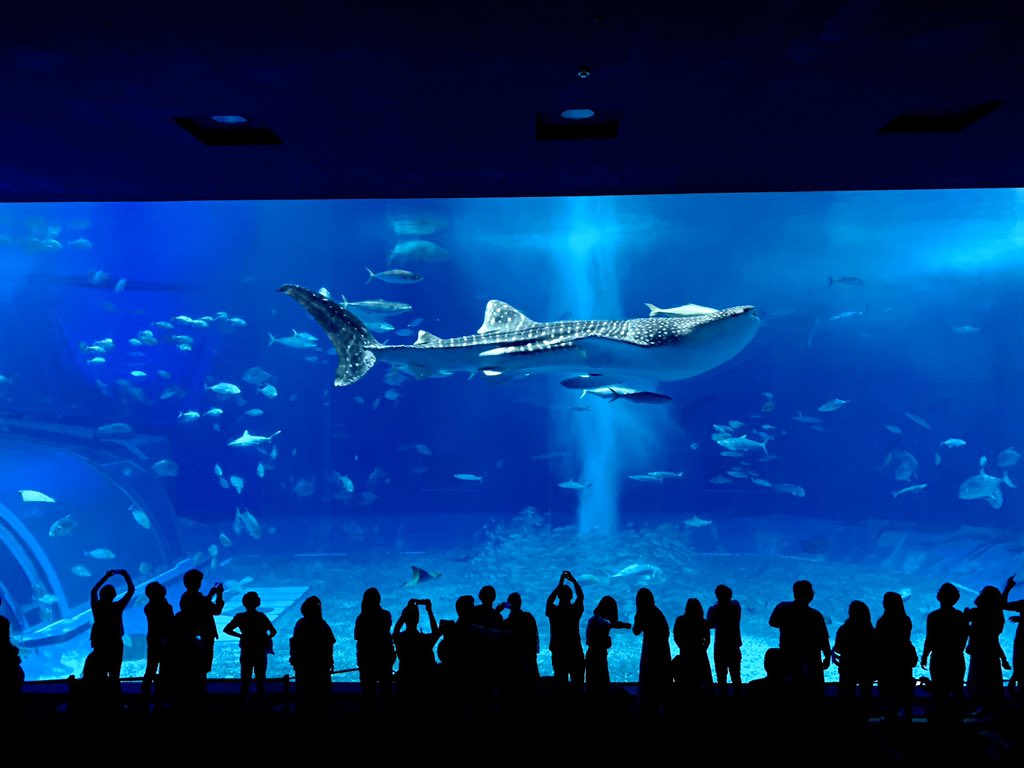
<point>484,662</point>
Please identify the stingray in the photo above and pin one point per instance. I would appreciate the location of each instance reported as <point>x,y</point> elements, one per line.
<point>419,576</point>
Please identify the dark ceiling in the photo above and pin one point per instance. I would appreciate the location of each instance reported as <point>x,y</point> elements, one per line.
<point>455,99</point>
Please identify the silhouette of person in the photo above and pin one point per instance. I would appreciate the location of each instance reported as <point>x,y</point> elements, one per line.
<point>564,613</point>
<point>159,631</point>
<point>691,669</point>
<point>654,680</point>
<point>945,641</point>
<point>485,613</point>
<point>195,633</point>
<point>375,652</point>
<point>311,654</point>
<point>107,635</point>
<point>417,675</point>
<point>522,644</point>
<point>855,654</point>
<point>987,658</point>
<point>769,706</point>
<point>1017,654</point>
<point>897,658</point>
<point>492,662</point>
<point>255,633</point>
<point>804,641</point>
<point>12,674</point>
<point>724,618</point>
<point>459,653</point>
<point>599,640</point>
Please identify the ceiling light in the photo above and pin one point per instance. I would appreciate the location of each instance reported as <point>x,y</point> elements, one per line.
<point>228,119</point>
<point>577,114</point>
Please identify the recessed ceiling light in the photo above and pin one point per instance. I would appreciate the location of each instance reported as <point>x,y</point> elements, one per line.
<point>577,114</point>
<point>228,130</point>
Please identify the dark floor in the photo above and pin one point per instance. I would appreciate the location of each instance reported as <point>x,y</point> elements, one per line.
<point>58,718</point>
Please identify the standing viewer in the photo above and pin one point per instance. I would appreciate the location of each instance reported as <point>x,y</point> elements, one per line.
<point>159,630</point>
<point>724,618</point>
<point>312,657</point>
<point>1017,654</point>
<point>12,675</point>
<point>375,651</point>
<point>691,670</point>
<point>855,653</point>
<point>564,614</point>
<point>599,641</point>
<point>804,641</point>
<point>944,642</point>
<point>417,676</point>
<point>107,636</point>
<point>522,639</point>
<point>195,633</point>
<point>897,658</point>
<point>255,634</point>
<point>988,659</point>
<point>655,677</point>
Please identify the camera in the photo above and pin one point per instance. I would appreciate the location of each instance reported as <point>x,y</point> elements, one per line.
<point>420,602</point>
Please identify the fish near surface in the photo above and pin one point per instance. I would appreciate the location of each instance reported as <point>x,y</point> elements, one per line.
<point>658,348</point>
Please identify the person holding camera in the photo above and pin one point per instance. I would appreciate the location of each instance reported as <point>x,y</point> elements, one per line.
<point>564,615</point>
<point>107,635</point>
<point>417,673</point>
<point>196,628</point>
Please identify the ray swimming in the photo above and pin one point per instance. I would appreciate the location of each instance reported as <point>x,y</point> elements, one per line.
<point>509,342</point>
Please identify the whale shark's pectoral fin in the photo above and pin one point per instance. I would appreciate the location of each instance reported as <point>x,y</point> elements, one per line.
<point>531,348</point>
<point>419,372</point>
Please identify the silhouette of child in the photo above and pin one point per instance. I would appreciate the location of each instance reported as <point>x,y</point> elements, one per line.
<point>255,633</point>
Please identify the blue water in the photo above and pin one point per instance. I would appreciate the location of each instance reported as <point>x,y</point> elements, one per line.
<point>929,345</point>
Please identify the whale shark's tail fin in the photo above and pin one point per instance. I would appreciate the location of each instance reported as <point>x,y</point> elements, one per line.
<point>350,337</point>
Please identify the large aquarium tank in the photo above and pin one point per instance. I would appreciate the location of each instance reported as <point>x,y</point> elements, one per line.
<point>670,392</point>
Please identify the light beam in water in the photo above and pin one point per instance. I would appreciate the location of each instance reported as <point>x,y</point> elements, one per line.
<point>610,438</point>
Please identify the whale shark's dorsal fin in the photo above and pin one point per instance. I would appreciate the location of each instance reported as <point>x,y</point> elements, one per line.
<point>425,337</point>
<point>500,316</point>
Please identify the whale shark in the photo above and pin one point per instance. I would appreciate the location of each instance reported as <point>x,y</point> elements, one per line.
<point>510,343</point>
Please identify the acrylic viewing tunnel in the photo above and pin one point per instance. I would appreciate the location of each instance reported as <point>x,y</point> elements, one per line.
<point>59,480</point>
